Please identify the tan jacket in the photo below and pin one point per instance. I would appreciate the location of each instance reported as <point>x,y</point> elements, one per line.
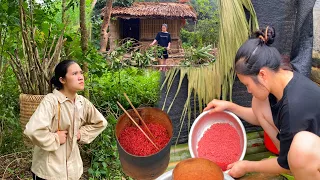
<point>50,159</point>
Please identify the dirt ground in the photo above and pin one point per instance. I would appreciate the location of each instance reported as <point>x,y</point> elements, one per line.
<point>16,166</point>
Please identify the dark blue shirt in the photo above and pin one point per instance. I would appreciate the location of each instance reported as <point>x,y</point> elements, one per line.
<point>163,38</point>
<point>297,110</point>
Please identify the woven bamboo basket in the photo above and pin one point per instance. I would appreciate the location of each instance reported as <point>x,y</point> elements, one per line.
<point>28,104</point>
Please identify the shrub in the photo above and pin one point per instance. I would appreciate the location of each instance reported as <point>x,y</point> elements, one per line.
<point>142,87</point>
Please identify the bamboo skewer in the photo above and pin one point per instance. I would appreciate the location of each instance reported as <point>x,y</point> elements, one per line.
<point>137,124</point>
<point>135,110</point>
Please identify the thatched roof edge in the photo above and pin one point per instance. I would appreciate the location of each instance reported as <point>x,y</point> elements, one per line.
<point>154,10</point>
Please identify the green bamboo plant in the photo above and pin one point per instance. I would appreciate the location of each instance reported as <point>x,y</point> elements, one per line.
<point>215,80</point>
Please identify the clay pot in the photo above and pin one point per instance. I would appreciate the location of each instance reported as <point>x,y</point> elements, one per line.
<point>197,168</point>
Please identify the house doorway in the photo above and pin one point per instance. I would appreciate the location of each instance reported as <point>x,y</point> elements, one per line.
<point>130,28</point>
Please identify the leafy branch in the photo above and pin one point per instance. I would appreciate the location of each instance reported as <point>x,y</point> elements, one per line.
<point>32,71</point>
<point>198,56</point>
<point>130,53</point>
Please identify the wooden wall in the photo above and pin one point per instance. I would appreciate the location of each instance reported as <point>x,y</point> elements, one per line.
<point>148,31</point>
<point>150,27</point>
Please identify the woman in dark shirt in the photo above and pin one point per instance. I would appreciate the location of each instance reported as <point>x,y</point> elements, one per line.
<point>285,104</point>
<point>164,40</point>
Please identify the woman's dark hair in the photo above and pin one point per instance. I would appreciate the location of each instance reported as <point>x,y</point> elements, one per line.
<point>257,53</point>
<point>60,71</point>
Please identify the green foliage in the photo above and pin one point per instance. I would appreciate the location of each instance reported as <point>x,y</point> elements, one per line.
<point>130,53</point>
<point>205,32</point>
<point>190,38</point>
<point>198,56</point>
<point>96,27</point>
<point>204,8</point>
<point>142,87</point>
<point>106,87</point>
<point>96,62</point>
<point>208,30</point>
<point>9,27</point>
<point>105,162</point>
<point>123,3</point>
<point>43,18</point>
<point>8,14</point>
<point>10,130</point>
<point>106,82</point>
<point>44,21</point>
<point>156,0</point>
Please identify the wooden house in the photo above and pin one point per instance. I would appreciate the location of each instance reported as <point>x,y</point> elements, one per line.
<point>142,21</point>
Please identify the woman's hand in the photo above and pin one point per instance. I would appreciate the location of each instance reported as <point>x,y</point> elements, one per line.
<point>238,169</point>
<point>62,136</point>
<point>217,105</point>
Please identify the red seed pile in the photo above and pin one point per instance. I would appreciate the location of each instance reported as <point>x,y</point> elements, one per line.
<point>134,141</point>
<point>220,144</point>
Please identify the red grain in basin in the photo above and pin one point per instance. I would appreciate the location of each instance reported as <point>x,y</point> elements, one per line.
<point>221,144</point>
<point>134,141</point>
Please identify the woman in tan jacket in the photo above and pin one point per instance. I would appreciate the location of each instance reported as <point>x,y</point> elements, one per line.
<point>62,120</point>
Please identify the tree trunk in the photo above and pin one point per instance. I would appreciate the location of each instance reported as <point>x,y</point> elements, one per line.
<point>104,26</point>
<point>84,39</point>
<point>63,8</point>
<point>2,41</point>
<point>86,71</point>
<point>83,27</point>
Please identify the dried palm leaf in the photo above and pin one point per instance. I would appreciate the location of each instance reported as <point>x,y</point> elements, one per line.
<point>216,80</point>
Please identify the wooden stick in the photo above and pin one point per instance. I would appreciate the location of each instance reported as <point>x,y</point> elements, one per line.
<point>135,110</point>
<point>137,124</point>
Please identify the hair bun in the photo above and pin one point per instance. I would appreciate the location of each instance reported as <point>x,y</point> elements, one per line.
<point>54,80</point>
<point>266,35</point>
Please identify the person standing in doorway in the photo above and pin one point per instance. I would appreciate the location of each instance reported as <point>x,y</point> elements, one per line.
<point>164,40</point>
